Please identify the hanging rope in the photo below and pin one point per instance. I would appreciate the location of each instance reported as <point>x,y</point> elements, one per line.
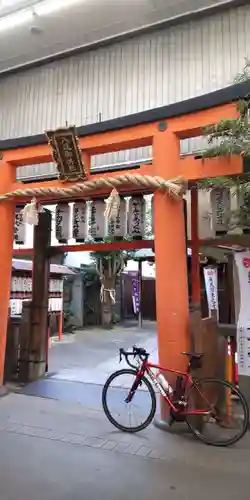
<point>175,188</point>
<point>110,291</point>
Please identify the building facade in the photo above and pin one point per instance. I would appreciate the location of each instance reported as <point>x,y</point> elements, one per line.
<point>146,71</point>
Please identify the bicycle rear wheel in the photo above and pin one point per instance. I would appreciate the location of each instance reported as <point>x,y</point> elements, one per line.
<point>132,416</point>
<point>228,414</point>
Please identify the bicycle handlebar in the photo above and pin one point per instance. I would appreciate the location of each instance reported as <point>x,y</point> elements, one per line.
<point>137,351</point>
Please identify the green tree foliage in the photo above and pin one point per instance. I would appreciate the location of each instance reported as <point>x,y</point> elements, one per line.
<point>232,137</point>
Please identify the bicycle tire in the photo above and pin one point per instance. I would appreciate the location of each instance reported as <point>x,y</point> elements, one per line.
<point>106,409</point>
<point>243,402</point>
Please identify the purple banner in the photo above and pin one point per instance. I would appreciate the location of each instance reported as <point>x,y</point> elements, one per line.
<point>136,294</point>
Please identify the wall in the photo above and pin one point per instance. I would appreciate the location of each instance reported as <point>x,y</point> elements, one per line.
<point>76,305</point>
<point>148,71</point>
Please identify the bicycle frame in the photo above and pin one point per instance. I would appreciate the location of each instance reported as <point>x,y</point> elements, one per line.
<point>146,367</point>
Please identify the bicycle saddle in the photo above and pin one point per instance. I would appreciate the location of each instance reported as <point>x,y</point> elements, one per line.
<point>193,355</point>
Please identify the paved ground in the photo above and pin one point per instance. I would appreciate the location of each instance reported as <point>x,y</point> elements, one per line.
<point>52,450</point>
<point>94,353</point>
<point>89,358</point>
<point>56,449</point>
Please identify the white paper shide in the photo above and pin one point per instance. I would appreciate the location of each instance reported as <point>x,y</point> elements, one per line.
<point>80,223</point>
<point>136,216</point>
<point>62,222</point>
<point>211,285</point>
<point>19,227</point>
<point>242,262</point>
<point>221,209</point>
<point>97,219</point>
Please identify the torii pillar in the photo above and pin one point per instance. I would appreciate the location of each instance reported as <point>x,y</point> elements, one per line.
<point>171,261</point>
<point>7,214</point>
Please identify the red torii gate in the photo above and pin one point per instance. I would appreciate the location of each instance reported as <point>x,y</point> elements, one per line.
<point>163,128</point>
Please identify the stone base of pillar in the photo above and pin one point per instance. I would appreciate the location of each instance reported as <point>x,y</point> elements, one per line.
<point>244,386</point>
<point>3,391</point>
<point>175,428</point>
<point>30,371</point>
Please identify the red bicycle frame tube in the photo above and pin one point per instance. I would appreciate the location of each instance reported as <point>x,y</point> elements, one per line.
<point>146,367</point>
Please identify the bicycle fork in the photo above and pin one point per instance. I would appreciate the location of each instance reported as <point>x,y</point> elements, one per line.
<point>134,387</point>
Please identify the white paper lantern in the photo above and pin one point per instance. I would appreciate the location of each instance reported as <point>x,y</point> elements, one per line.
<point>118,227</point>
<point>14,284</point>
<point>62,222</point>
<point>19,287</point>
<point>97,219</point>
<point>16,306</point>
<point>80,223</point>
<point>25,285</point>
<point>136,216</point>
<point>19,227</point>
<point>221,209</point>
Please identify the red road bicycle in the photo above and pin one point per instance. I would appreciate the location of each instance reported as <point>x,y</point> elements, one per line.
<point>210,407</point>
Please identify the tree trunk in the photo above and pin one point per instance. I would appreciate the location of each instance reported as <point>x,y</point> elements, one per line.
<point>108,283</point>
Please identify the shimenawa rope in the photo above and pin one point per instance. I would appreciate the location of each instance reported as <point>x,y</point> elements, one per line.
<point>175,187</point>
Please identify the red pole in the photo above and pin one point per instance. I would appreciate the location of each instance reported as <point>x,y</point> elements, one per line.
<point>234,365</point>
<point>47,349</point>
<point>60,326</point>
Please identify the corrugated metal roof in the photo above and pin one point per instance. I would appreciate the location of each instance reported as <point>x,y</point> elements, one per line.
<point>176,63</point>
<point>26,265</point>
<point>148,254</point>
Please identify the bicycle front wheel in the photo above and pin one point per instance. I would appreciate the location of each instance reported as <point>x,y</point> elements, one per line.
<point>227,414</point>
<point>128,416</point>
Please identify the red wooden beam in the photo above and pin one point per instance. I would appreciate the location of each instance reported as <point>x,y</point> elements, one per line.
<point>227,241</point>
<point>92,247</point>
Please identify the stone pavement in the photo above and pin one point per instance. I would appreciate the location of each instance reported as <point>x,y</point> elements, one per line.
<point>94,353</point>
<point>88,358</point>
<point>53,450</point>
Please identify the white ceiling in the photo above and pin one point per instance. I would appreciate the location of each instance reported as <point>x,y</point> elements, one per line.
<point>83,23</point>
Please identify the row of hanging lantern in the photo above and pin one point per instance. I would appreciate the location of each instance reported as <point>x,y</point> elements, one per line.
<point>21,290</point>
<point>86,220</point>
<point>89,220</point>
<point>83,220</point>
<point>23,284</point>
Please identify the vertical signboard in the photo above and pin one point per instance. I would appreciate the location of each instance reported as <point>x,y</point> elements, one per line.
<point>242,262</point>
<point>136,292</point>
<point>211,285</point>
